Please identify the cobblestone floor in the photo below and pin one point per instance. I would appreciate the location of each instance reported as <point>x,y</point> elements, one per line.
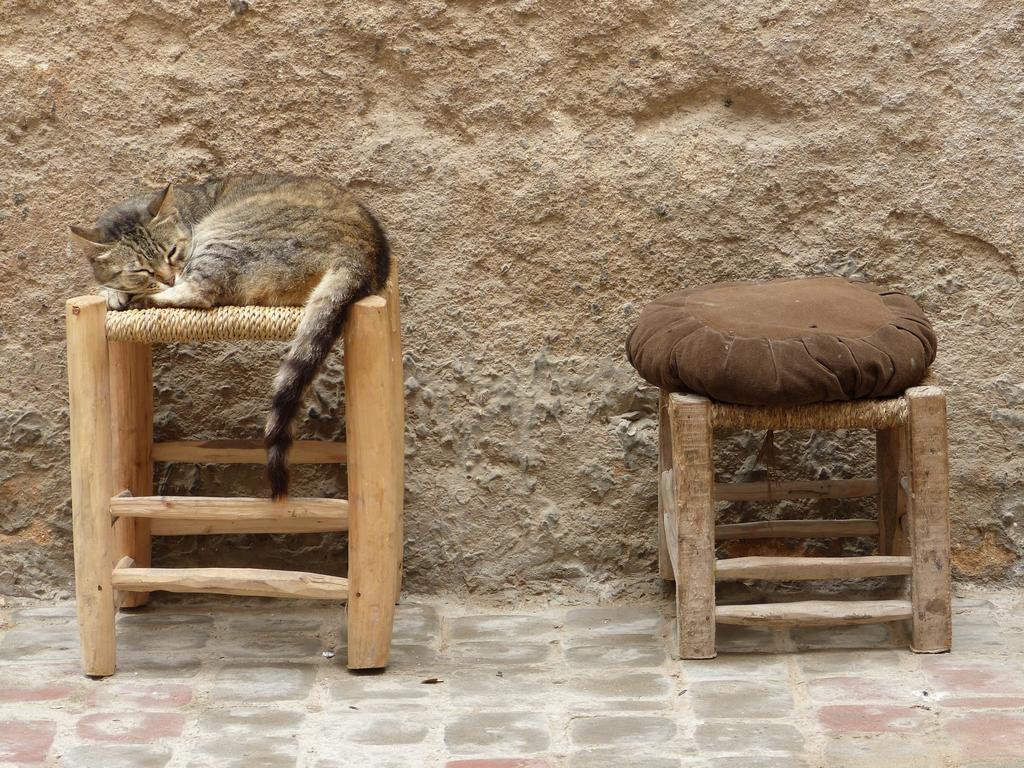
<point>264,685</point>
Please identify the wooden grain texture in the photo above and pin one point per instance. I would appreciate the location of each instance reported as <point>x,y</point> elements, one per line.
<point>692,447</point>
<point>665,505</point>
<point>931,587</point>
<point>814,613</point>
<point>796,529</point>
<point>808,568</point>
<point>393,299</point>
<point>197,526</point>
<point>891,500</point>
<point>373,422</point>
<point>212,508</point>
<point>248,582</point>
<point>797,489</point>
<point>131,395</point>
<point>91,481</point>
<point>246,452</point>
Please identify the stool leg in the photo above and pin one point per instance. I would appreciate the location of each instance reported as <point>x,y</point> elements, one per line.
<point>931,587</point>
<point>891,500</point>
<point>692,445</point>
<point>664,464</point>
<point>375,483</point>
<point>131,395</point>
<point>398,381</point>
<point>91,481</point>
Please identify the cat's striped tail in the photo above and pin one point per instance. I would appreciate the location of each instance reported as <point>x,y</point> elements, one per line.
<point>319,329</point>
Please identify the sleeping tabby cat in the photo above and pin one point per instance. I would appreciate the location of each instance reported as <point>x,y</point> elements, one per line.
<point>265,240</point>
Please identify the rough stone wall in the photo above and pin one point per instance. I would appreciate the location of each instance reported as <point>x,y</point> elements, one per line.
<point>543,170</point>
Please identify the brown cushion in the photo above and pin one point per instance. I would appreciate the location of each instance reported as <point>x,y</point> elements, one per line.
<point>786,342</point>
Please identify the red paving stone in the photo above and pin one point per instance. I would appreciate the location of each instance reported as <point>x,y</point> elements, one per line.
<point>984,702</point>
<point>872,718</point>
<point>157,696</point>
<point>19,694</point>
<point>513,762</point>
<point>25,742</point>
<point>130,727</point>
<point>862,689</point>
<point>955,676</point>
<point>986,735</point>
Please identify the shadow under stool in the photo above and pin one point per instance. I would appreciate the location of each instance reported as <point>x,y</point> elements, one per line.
<point>112,453</point>
<point>912,528</point>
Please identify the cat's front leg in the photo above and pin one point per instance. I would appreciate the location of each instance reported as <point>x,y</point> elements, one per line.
<point>116,300</point>
<point>183,294</point>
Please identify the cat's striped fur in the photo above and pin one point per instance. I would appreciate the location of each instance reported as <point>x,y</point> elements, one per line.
<point>265,240</point>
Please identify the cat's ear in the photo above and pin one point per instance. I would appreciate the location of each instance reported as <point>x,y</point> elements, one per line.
<point>90,239</point>
<point>162,203</point>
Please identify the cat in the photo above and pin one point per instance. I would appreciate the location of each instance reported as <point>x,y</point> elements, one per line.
<point>263,240</point>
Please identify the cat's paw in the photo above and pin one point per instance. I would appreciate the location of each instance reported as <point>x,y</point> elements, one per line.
<point>141,302</point>
<point>116,300</point>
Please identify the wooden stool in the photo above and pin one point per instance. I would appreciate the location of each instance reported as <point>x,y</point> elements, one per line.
<point>913,491</point>
<point>112,455</point>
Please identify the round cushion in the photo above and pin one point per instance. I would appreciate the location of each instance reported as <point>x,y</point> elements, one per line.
<point>785,342</point>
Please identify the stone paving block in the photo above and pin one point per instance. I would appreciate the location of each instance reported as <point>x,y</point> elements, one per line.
<point>130,727</point>
<point>737,666</point>
<point>610,656</point>
<point>278,619</point>
<point>501,762</point>
<point>414,657</point>
<point>345,726</point>
<point>256,682</point>
<point>730,638</point>
<point>621,687</point>
<point>872,751</point>
<point>63,611</point>
<point>628,621</point>
<point>368,690</point>
<point>25,742</point>
<point>857,690</point>
<point>618,758</point>
<point>505,628</point>
<point>244,737</point>
<point>866,636</point>
<point>139,695</point>
<point>40,642</point>
<point>115,756</point>
<point>748,699</point>
<point>737,736</point>
<point>621,730</point>
<point>983,702</point>
<point>12,692</point>
<point>978,634</point>
<point>987,735</point>
<point>877,662</point>
<point>957,675</point>
<point>351,756</point>
<point>416,624</point>
<point>497,733</point>
<point>271,645</point>
<point>161,666</point>
<point>500,655</point>
<point>484,689</point>
<point>157,638</point>
<point>874,718</point>
<point>763,761</point>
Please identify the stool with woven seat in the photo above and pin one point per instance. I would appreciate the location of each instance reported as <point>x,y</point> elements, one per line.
<point>819,354</point>
<point>112,455</point>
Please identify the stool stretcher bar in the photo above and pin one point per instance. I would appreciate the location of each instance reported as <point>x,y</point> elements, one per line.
<point>249,582</point>
<point>809,613</point>
<point>246,452</point>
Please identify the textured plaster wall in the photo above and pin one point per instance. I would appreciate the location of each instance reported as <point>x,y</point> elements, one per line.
<point>544,169</point>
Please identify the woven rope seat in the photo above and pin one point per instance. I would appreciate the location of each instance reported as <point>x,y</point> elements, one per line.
<point>217,324</point>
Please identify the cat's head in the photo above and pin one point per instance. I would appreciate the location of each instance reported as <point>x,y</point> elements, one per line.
<point>137,246</point>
